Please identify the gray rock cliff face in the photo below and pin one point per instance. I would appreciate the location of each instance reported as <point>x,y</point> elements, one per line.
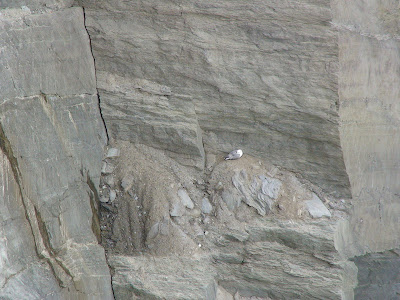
<point>368,88</point>
<point>307,89</point>
<point>369,78</point>
<point>51,148</point>
<point>258,75</point>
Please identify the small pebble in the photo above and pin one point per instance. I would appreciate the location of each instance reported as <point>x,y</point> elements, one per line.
<point>185,198</point>
<point>219,186</point>
<point>107,168</point>
<point>113,195</point>
<point>206,206</point>
<point>113,152</point>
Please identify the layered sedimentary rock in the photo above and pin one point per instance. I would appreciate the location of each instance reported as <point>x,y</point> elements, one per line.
<point>258,75</point>
<point>272,78</point>
<point>51,140</point>
<point>195,80</point>
<point>309,91</point>
<point>261,234</point>
<point>370,113</point>
<point>369,78</point>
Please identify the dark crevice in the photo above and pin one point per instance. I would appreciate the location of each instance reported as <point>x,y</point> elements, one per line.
<point>94,197</point>
<point>94,60</point>
<point>102,118</point>
<point>94,200</point>
<point>43,232</point>
<point>58,279</point>
<point>5,146</point>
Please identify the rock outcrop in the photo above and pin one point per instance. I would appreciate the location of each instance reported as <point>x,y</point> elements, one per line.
<point>370,112</point>
<point>51,140</point>
<point>307,89</point>
<point>261,227</point>
<point>258,75</point>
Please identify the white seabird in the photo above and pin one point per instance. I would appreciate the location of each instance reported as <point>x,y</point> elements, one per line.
<point>235,154</point>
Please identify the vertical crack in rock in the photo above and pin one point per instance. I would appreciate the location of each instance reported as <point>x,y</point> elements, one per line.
<point>94,198</point>
<point>43,232</point>
<point>94,60</point>
<point>39,233</point>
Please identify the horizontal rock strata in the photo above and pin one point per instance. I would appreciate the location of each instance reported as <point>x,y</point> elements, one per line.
<point>260,75</point>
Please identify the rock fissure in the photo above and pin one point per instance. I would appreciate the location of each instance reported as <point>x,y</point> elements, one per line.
<point>307,86</point>
<point>94,202</point>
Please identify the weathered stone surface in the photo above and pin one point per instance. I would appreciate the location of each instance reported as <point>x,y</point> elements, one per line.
<point>196,80</point>
<point>180,253</point>
<point>36,5</point>
<point>185,199</point>
<point>231,201</point>
<point>113,195</point>
<point>107,168</point>
<point>23,274</point>
<point>378,275</point>
<point>170,278</point>
<point>270,187</point>
<point>316,208</point>
<point>276,253</point>
<point>141,111</point>
<point>113,152</point>
<point>270,255</point>
<point>30,42</point>
<point>260,76</point>
<point>206,206</point>
<point>52,135</point>
<point>369,90</point>
<point>178,210</point>
<point>259,192</point>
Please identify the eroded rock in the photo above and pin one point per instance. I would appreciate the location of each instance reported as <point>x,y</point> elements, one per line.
<point>206,206</point>
<point>53,136</point>
<point>185,198</point>
<point>316,208</point>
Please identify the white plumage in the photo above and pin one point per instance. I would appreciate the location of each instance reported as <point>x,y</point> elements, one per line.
<point>235,154</point>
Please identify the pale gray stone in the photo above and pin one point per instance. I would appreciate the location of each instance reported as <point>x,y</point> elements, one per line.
<point>154,230</point>
<point>113,152</point>
<point>36,5</point>
<point>230,66</point>
<point>53,136</point>
<point>164,227</point>
<point>185,198</point>
<point>253,194</point>
<point>244,262</point>
<point>107,168</point>
<point>270,186</point>
<point>166,122</point>
<point>113,195</point>
<point>370,127</point>
<point>104,199</point>
<point>109,180</point>
<point>178,210</point>
<point>127,182</point>
<point>170,277</point>
<point>293,86</point>
<point>231,202</point>
<point>267,203</point>
<point>206,206</point>
<point>316,208</point>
